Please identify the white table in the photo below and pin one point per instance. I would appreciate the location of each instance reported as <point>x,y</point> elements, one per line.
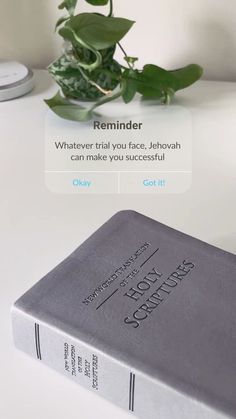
<point>38,229</point>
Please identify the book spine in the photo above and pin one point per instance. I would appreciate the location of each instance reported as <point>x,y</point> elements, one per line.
<point>126,387</point>
<point>75,359</point>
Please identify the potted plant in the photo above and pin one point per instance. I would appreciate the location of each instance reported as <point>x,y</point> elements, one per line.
<point>88,71</point>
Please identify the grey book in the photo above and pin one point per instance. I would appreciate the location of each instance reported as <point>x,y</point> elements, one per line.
<point>143,315</point>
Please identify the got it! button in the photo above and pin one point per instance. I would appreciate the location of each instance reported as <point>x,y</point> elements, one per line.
<point>154,183</point>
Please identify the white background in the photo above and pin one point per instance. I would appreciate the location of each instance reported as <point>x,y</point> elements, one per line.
<point>170,33</point>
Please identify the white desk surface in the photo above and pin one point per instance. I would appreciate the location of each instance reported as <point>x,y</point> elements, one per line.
<point>38,229</point>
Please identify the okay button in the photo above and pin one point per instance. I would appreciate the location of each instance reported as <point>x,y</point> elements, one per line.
<point>82,183</point>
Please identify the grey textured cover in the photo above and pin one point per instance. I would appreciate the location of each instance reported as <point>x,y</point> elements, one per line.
<point>160,303</point>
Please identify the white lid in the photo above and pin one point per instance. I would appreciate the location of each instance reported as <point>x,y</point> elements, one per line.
<point>15,80</point>
<point>12,72</point>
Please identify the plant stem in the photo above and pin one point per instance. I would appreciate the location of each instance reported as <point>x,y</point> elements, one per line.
<point>122,49</point>
<point>97,63</point>
<point>124,52</point>
<point>108,98</point>
<point>93,83</point>
<point>76,64</point>
<point>111,8</point>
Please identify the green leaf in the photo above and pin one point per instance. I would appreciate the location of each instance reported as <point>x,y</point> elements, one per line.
<point>186,76</point>
<point>67,110</point>
<point>131,60</point>
<point>73,112</point>
<point>98,31</point>
<point>156,83</point>
<point>67,34</point>
<point>153,81</point>
<point>130,85</point>
<point>69,5</point>
<point>61,21</point>
<point>97,2</point>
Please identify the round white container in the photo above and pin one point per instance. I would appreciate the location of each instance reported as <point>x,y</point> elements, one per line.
<point>15,80</point>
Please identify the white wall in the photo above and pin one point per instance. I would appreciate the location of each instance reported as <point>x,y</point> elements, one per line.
<point>168,32</point>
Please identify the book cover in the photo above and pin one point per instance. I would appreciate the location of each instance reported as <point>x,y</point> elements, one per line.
<point>142,315</point>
